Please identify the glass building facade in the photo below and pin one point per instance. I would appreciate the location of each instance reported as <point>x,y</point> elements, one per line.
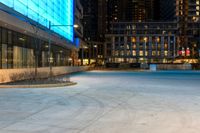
<point>22,51</point>
<point>57,12</point>
<point>18,49</point>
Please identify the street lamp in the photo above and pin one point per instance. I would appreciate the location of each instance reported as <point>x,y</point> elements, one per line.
<point>75,26</point>
<point>49,53</point>
<point>95,53</point>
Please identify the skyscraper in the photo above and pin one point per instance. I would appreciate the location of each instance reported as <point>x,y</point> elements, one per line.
<point>101,19</point>
<point>167,10</point>
<point>188,17</point>
<point>131,10</point>
<point>135,10</point>
<point>90,19</point>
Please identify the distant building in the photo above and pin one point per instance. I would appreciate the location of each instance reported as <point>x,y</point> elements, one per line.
<point>166,10</point>
<point>140,42</point>
<point>154,31</point>
<point>175,23</point>
<point>94,23</point>
<point>188,19</point>
<point>90,19</point>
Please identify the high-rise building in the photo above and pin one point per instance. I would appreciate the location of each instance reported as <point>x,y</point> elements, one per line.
<point>101,19</point>
<point>160,31</point>
<point>135,10</point>
<point>94,21</point>
<point>130,10</point>
<point>78,19</point>
<point>90,19</point>
<point>150,10</point>
<point>188,18</point>
<point>166,10</point>
<point>36,33</point>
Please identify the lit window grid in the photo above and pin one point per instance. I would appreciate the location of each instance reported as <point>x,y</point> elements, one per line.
<point>58,12</point>
<point>197,7</point>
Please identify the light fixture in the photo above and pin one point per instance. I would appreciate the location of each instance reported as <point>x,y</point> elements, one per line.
<point>133,40</point>
<point>158,39</point>
<point>145,39</point>
<point>21,39</point>
<point>76,25</point>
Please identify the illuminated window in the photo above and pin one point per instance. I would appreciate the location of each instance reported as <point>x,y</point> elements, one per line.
<point>153,53</point>
<point>166,53</point>
<point>134,53</point>
<point>166,46</point>
<point>141,53</point>
<point>134,46</point>
<point>159,53</point>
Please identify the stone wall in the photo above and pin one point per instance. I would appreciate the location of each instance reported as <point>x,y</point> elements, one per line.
<point>8,75</point>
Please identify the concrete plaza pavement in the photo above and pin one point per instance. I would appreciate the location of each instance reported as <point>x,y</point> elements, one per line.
<point>107,102</point>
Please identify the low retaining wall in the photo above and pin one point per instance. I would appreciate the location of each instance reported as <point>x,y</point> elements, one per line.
<point>174,67</point>
<point>8,75</point>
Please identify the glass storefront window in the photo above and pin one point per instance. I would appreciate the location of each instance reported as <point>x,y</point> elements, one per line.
<point>4,56</point>
<point>0,50</point>
<point>20,51</point>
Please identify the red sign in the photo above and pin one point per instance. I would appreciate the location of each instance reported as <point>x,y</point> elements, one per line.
<point>187,52</point>
<point>180,52</point>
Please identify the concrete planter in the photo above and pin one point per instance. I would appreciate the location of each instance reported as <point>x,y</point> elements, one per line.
<point>8,75</point>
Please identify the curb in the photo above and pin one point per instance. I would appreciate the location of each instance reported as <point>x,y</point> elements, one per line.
<point>39,85</point>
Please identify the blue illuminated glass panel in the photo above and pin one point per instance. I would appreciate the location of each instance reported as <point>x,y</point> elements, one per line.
<point>58,12</point>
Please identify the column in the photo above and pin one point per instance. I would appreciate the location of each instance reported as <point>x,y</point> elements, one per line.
<point>169,47</point>
<point>113,49</point>
<point>105,52</point>
<point>125,48</point>
<point>82,56</point>
<point>174,47</point>
<point>137,48</point>
<point>150,49</point>
<point>89,52</point>
<point>162,46</point>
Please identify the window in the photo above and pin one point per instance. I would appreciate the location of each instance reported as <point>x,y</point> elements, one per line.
<point>59,13</point>
<point>19,51</point>
<point>0,50</point>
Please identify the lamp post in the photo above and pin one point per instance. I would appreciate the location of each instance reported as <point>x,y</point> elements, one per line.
<point>49,53</point>
<point>95,53</point>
